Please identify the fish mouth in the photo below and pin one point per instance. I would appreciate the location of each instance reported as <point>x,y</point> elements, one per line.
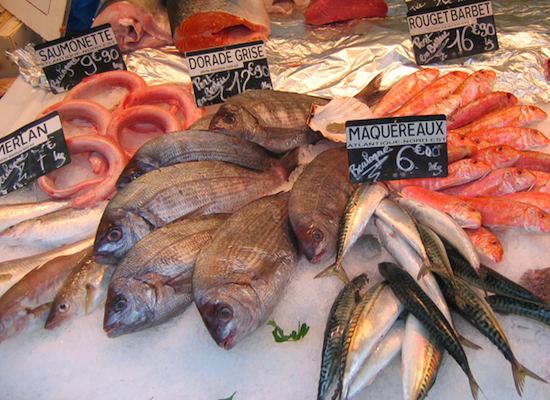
<point>52,322</point>
<point>316,259</point>
<point>228,342</point>
<point>113,330</point>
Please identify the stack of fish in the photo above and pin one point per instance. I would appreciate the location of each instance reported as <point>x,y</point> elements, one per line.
<point>362,335</point>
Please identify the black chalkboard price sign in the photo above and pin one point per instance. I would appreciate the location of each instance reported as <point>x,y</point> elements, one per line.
<point>447,29</point>
<point>397,148</point>
<point>68,60</point>
<point>222,72</point>
<point>32,151</point>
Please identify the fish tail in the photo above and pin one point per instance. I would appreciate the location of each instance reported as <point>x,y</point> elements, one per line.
<point>335,269</point>
<point>423,271</point>
<point>520,372</point>
<point>468,343</point>
<point>287,163</point>
<point>474,387</point>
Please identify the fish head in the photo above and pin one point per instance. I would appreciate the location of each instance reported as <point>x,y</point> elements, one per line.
<point>521,179</point>
<point>129,306</point>
<point>234,118</point>
<point>502,156</point>
<point>117,233</point>
<point>133,170</point>
<point>66,306</point>
<point>316,237</point>
<point>230,312</point>
<point>389,271</point>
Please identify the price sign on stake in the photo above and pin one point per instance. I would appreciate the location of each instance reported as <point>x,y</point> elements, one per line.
<point>397,148</point>
<point>32,151</point>
<point>68,60</point>
<point>451,29</point>
<point>220,73</point>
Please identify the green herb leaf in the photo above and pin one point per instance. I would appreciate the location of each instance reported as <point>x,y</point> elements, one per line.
<point>280,337</point>
<point>230,397</point>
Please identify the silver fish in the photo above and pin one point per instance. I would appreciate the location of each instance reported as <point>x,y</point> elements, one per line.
<point>241,275</point>
<point>12,214</point>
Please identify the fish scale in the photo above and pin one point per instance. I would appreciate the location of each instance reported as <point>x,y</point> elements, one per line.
<point>508,305</point>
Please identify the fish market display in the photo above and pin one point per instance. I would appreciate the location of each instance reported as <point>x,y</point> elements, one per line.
<point>273,119</point>
<point>25,305</point>
<point>479,107</point>
<point>320,12</point>
<point>185,146</point>
<point>497,183</point>
<point>317,202</point>
<point>82,292</point>
<point>240,276</point>
<point>197,24</point>
<point>162,263</point>
<point>136,23</point>
<point>12,214</point>
<point>81,117</point>
<point>486,243</point>
<point>173,192</point>
<point>508,305</point>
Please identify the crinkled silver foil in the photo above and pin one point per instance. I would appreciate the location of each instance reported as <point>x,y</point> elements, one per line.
<point>340,59</point>
<point>25,59</point>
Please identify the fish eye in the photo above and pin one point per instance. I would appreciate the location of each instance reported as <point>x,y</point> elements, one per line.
<point>120,303</point>
<point>317,235</point>
<point>224,313</point>
<point>500,148</point>
<point>63,307</point>
<point>229,118</point>
<point>114,235</point>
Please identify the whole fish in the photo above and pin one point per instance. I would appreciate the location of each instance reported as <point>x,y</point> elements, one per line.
<point>479,107</point>
<point>534,160</point>
<point>420,360</point>
<point>519,138</point>
<point>197,24</point>
<point>486,243</point>
<point>26,304</point>
<point>338,318</point>
<point>538,282</point>
<point>371,320</point>
<point>509,305</point>
<point>181,190</point>
<point>12,214</point>
<point>497,183</point>
<point>401,222</point>
<point>359,209</point>
<point>433,93</point>
<point>444,226</point>
<point>11,271</point>
<point>500,156</point>
<point>388,347</point>
<point>537,199</point>
<point>153,282</point>
<point>422,307</point>
<point>240,276</point>
<point>476,311</point>
<point>81,293</point>
<point>464,215</point>
<point>317,203</point>
<point>50,231</point>
<point>477,85</point>
<point>403,90</point>
<point>179,147</point>
<point>498,212</point>
<point>273,119</point>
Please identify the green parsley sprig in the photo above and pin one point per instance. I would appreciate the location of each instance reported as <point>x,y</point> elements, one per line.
<point>280,337</point>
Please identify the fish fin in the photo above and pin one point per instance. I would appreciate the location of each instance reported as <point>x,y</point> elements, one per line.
<point>423,271</point>
<point>89,299</point>
<point>474,387</point>
<point>287,163</point>
<point>5,277</point>
<point>371,92</point>
<point>520,372</point>
<point>468,343</point>
<point>335,269</point>
<point>181,283</point>
<point>40,310</point>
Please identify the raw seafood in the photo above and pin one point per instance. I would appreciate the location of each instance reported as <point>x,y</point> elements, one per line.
<point>284,6</point>
<point>534,160</point>
<point>537,199</point>
<point>184,146</point>
<point>486,243</point>
<point>81,117</point>
<point>320,12</point>
<point>197,24</point>
<point>538,282</point>
<point>477,85</point>
<point>12,214</point>
<point>519,138</point>
<point>162,263</point>
<point>497,183</point>
<point>169,193</point>
<point>241,275</point>
<point>317,203</point>
<point>501,156</point>
<point>80,294</point>
<point>273,119</point>
<point>479,107</point>
<point>134,126</point>
<point>509,305</point>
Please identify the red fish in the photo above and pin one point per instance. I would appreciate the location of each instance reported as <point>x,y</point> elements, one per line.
<point>542,183</point>
<point>479,107</point>
<point>499,182</point>
<point>433,93</point>
<point>498,156</point>
<point>540,200</point>
<point>503,213</point>
<point>486,243</point>
<point>476,85</point>
<point>465,215</point>
<point>322,12</point>
<point>520,138</point>
<point>403,90</point>
<point>534,160</point>
<point>459,147</point>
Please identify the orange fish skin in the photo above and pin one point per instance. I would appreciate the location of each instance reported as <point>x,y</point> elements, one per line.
<point>502,156</point>
<point>486,243</point>
<point>403,90</point>
<point>534,160</point>
<point>478,84</point>
<point>479,107</point>
<point>542,183</point>
<point>499,182</point>
<point>465,215</point>
<point>520,138</point>
<point>537,199</point>
<point>497,212</point>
